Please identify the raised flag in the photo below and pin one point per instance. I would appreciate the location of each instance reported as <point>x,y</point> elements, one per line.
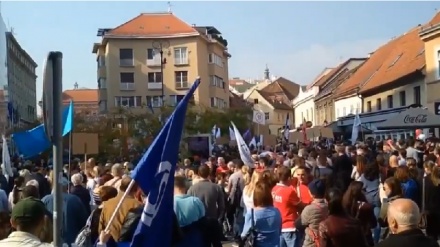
<point>6,160</point>
<point>231,134</point>
<point>243,149</point>
<point>155,176</point>
<point>286,128</point>
<point>259,117</point>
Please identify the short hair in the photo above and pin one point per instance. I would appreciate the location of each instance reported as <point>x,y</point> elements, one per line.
<point>76,179</point>
<point>263,194</point>
<point>116,168</point>
<point>204,171</point>
<point>30,191</point>
<point>125,182</point>
<point>284,174</point>
<point>238,163</point>
<point>409,217</point>
<point>402,173</point>
<point>33,182</point>
<point>107,192</point>
<point>180,182</point>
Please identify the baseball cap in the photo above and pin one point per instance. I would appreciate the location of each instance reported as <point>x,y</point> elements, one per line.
<point>317,188</point>
<point>28,210</point>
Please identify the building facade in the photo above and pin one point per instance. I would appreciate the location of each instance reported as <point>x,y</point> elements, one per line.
<point>22,82</point>
<point>133,73</point>
<point>3,76</point>
<point>85,101</point>
<point>304,105</point>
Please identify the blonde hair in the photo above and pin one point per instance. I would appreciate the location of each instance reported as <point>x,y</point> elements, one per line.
<point>249,189</point>
<point>246,175</point>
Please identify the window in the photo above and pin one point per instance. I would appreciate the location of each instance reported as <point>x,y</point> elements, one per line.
<point>102,83</point>
<point>218,103</point>
<point>255,101</point>
<point>101,61</point>
<point>417,96</point>
<point>155,77</point>
<point>215,59</point>
<point>181,79</point>
<point>266,115</point>
<point>351,109</point>
<point>402,96</point>
<point>390,101</point>
<point>154,101</point>
<point>127,81</point>
<point>344,111</point>
<point>126,57</point>
<point>379,104</point>
<point>217,81</point>
<point>338,113</point>
<point>369,106</point>
<point>438,64</point>
<point>131,101</point>
<point>153,57</point>
<point>175,99</point>
<point>180,56</point>
<point>358,108</point>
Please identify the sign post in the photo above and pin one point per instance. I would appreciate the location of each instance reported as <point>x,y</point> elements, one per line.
<point>52,116</point>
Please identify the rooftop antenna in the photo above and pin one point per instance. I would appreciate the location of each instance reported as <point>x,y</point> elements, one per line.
<point>169,7</point>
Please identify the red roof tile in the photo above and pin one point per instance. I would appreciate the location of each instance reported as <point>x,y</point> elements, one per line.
<point>81,95</point>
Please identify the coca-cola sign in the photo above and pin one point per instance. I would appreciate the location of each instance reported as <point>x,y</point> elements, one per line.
<point>421,118</point>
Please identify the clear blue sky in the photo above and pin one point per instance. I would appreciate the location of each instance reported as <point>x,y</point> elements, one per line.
<point>296,39</point>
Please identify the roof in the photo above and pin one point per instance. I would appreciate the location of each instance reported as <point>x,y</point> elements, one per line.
<point>153,25</point>
<point>320,75</point>
<point>284,86</point>
<point>23,52</point>
<point>399,57</point>
<point>339,79</point>
<point>279,101</point>
<point>324,80</point>
<point>236,101</point>
<point>240,85</point>
<point>81,95</point>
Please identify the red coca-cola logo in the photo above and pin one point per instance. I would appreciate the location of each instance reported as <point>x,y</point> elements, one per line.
<point>421,118</point>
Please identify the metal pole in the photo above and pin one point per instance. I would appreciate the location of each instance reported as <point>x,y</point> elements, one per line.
<point>161,73</point>
<point>57,148</point>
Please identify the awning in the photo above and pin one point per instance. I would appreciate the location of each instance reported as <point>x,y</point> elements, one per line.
<point>412,118</point>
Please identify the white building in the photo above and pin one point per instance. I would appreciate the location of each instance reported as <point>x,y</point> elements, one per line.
<point>348,105</point>
<point>304,105</point>
<point>3,75</point>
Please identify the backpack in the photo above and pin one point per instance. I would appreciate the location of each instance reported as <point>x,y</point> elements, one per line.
<point>83,239</point>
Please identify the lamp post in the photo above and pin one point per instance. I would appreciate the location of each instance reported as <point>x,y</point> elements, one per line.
<point>160,45</point>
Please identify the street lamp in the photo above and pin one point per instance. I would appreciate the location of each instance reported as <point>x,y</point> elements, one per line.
<point>160,45</point>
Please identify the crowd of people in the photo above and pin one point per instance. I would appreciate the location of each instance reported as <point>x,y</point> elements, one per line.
<point>382,194</point>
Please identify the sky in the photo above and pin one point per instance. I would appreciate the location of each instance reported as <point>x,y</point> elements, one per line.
<point>296,40</point>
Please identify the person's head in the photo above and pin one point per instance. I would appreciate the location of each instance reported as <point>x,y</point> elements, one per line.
<point>402,153</point>
<point>302,173</point>
<point>186,162</point>
<point>352,195</point>
<point>402,174</point>
<point>76,179</point>
<point>5,225</point>
<point>340,149</point>
<point>410,142</point>
<point>435,175</point>
<point>317,188</point>
<point>361,162</point>
<point>238,164</point>
<point>125,183</point>
<point>284,174</point>
<point>117,170</point>
<point>30,191</point>
<point>221,161</point>
<point>28,216</point>
<point>334,202</point>
<point>263,161</point>
<point>392,187</point>
<point>428,166</point>
<point>180,185</point>
<point>411,162</point>
<point>204,171</point>
<point>107,192</point>
<point>256,176</point>
<point>380,160</point>
<point>403,214</point>
<point>263,194</point>
<point>19,181</point>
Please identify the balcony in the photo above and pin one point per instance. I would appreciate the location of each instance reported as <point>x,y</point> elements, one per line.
<point>154,62</point>
<point>154,85</point>
<point>102,72</point>
<point>126,86</point>
<point>182,85</point>
<point>181,61</point>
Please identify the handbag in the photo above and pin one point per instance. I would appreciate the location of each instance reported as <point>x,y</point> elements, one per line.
<point>422,223</point>
<point>250,238</point>
<point>83,239</point>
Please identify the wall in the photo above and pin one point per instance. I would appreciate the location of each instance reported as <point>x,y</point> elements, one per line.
<point>432,79</point>
<point>304,105</point>
<point>348,105</point>
<point>395,92</point>
<point>3,74</point>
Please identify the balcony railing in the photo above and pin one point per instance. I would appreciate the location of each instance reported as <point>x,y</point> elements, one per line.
<point>154,85</point>
<point>153,62</point>
<point>181,61</point>
<point>126,86</point>
<point>182,85</point>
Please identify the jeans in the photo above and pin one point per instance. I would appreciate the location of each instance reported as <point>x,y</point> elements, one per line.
<point>377,229</point>
<point>287,239</point>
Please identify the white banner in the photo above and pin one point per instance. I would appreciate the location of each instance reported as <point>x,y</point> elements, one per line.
<point>243,149</point>
<point>259,117</point>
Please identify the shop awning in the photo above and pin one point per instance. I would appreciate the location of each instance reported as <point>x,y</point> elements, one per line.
<point>412,118</point>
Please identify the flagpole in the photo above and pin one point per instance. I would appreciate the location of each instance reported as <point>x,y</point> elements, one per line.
<point>70,158</point>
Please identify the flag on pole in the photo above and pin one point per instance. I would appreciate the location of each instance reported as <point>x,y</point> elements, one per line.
<point>286,128</point>
<point>304,128</point>
<point>355,130</point>
<point>243,149</point>
<point>231,134</point>
<point>155,175</point>
<point>6,160</point>
<point>259,117</point>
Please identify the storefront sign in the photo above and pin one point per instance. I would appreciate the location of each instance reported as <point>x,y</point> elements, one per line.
<point>421,118</point>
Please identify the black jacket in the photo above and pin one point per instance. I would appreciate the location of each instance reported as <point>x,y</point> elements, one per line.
<point>409,238</point>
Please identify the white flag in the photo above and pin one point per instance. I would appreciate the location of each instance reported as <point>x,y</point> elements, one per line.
<point>259,117</point>
<point>243,149</point>
<point>355,130</point>
<point>253,142</point>
<point>231,134</point>
<point>6,160</point>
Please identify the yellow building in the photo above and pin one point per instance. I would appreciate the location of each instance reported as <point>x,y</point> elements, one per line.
<point>153,60</point>
<point>430,34</point>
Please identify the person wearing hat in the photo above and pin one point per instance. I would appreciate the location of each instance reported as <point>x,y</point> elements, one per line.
<point>27,218</point>
<point>313,214</point>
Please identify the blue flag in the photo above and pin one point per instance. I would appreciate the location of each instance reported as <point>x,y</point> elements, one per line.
<point>155,176</point>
